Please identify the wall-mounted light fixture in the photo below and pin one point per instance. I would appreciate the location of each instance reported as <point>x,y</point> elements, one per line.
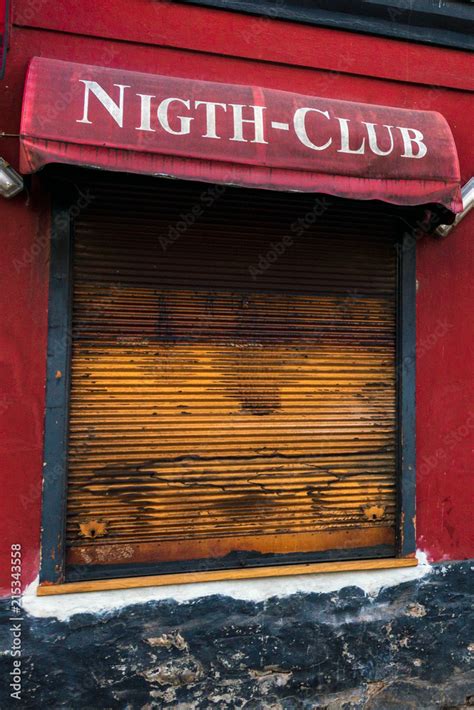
<point>467,192</point>
<point>11,183</point>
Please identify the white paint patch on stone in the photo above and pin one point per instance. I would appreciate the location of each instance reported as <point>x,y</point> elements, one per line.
<point>64,606</point>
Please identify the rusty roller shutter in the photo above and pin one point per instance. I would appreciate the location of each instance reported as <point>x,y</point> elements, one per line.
<point>233,376</point>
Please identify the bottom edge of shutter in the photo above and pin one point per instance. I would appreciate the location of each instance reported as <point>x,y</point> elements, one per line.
<point>222,575</point>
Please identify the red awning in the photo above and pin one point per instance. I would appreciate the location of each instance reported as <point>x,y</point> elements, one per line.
<point>241,135</point>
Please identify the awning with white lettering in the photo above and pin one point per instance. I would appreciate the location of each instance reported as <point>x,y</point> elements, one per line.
<point>115,119</point>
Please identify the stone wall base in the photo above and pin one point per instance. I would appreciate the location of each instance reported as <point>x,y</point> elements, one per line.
<point>409,646</point>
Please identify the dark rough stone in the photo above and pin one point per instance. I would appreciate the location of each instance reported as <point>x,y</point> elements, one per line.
<point>411,646</point>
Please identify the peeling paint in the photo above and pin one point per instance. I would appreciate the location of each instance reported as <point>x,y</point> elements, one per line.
<point>407,646</point>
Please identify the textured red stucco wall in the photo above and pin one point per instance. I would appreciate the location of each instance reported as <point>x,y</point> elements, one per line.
<point>445,394</point>
<point>219,46</point>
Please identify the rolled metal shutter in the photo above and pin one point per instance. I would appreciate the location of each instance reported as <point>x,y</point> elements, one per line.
<point>233,396</point>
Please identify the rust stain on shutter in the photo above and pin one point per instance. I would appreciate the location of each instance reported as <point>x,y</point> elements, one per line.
<point>223,399</point>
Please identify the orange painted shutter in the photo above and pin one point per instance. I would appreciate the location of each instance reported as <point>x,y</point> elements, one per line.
<point>233,396</point>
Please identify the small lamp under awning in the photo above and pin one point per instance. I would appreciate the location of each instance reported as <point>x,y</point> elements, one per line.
<point>11,183</point>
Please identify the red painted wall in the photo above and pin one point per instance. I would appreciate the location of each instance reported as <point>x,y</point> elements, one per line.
<point>215,45</point>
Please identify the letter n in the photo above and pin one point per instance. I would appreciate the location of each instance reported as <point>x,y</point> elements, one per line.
<point>114,109</point>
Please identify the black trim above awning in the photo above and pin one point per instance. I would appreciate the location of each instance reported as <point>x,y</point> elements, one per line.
<point>448,24</point>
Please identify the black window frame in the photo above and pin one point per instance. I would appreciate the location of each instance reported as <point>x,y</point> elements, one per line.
<point>64,199</point>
